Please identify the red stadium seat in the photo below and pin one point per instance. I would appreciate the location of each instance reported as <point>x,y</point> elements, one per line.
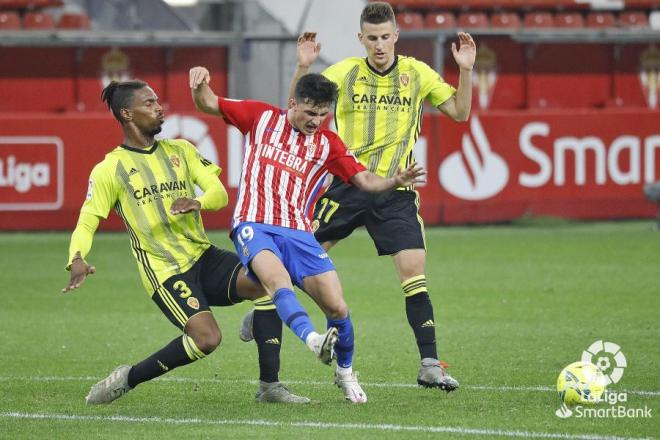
<point>440,20</point>
<point>9,21</point>
<point>410,20</point>
<point>473,20</point>
<point>18,5</point>
<point>508,20</point>
<point>569,20</point>
<point>72,20</point>
<point>38,20</point>
<point>641,4</point>
<point>538,20</point>
<point>633,19</point>
<point>601,20</point>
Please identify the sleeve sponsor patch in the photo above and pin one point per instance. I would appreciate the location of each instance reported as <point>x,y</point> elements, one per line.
<point>90,189</point>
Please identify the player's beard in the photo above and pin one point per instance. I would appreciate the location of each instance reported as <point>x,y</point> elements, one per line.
<point>154,131</point>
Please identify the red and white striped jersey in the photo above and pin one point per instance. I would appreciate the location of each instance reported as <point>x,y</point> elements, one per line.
<point>283,169</point>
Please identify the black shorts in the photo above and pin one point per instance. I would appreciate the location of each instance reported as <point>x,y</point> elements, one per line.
<point>211,281</point>
<point>392,218</point>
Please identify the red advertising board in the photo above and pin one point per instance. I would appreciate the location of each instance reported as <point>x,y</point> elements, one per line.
<point>45,161</point>
<point>501,165</point>
<point>31,173</point>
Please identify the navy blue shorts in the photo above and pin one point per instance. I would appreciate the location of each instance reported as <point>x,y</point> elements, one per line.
<point>299,251</point>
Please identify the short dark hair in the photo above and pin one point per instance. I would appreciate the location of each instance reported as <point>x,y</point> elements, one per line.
<point>316,88</point>
<point>377,13</point>
<point>118,95</point>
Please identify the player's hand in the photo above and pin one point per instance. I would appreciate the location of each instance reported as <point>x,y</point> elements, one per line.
<point>308,49</point>
<point>466,53</point>
<point>79,271</point>
<point>199,75</point>
<point>412,175</point>
<point>185,205</point>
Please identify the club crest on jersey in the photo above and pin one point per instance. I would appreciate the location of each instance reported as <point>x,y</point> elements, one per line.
<point>175,160</point>
<point>311,147</point>
<point>246,251</point>
<point>404,79</point>
<point>193,303</point>
<point>315,225</point>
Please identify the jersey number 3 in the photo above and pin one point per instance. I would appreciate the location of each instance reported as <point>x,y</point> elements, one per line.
<point>182,289</point>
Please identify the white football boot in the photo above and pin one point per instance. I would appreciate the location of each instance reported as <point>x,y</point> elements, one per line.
<point>348,383</point>
<point>433,375</point>
<point>110,388</point>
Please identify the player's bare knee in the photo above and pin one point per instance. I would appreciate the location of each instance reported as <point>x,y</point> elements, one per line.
<point>204,332</point>
<point>273,282</point>
<point>337,310</point>
<point>208,340</point>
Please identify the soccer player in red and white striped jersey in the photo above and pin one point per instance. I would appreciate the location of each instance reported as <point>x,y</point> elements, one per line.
<point>284,167</point>
<point>287,155</point>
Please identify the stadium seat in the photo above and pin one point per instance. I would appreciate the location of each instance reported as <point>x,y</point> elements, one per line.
<point>440,20</point>
<point>473,20</point>
<point>508,20</point>
<point>569,20</point>
<point>641,4</point>
<point>633,19</point>
<point>38,20</point>
<point>70,20</point>
<point>600,20</point>
<point>27,5</point>
<point>538,20</point>
<point>410,20</point>
<point>9,21</point>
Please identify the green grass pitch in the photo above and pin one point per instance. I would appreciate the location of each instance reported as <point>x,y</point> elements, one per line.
<point>513,304</point>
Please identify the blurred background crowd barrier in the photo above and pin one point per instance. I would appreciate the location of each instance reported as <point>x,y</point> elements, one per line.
<point>565,118</point>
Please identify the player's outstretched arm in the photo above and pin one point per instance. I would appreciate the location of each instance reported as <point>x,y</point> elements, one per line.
<point>458,106</point>
<point>214,197</point>
<point>205,100</point>
<point>370,182</point>
<point>308,51</point>
<point>81,243</point>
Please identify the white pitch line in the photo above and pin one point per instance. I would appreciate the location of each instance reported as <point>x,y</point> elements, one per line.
<point>503,388</point>
<point>306,424</point>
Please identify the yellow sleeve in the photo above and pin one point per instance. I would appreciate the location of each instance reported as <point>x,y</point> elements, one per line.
<point>215,195</point>
<point>81,239</point>
<point>205,174</point>
<point>197,164</point>
<point>102,193</point>
<point>434,88</point>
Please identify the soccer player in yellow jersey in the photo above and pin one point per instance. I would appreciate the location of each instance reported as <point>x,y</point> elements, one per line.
<point>378,116</point>
<point>151,185</point>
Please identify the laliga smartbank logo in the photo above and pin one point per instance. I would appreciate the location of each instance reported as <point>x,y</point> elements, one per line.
<point>583,386</point>
<point>476,172</point>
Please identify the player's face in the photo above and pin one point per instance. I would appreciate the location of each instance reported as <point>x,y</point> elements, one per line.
<point>379,40</point>
<point>308,117</point>
<point>147,114</point>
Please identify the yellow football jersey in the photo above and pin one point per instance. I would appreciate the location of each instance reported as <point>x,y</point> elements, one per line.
<point>141,186</point>
<point>378,115</point>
